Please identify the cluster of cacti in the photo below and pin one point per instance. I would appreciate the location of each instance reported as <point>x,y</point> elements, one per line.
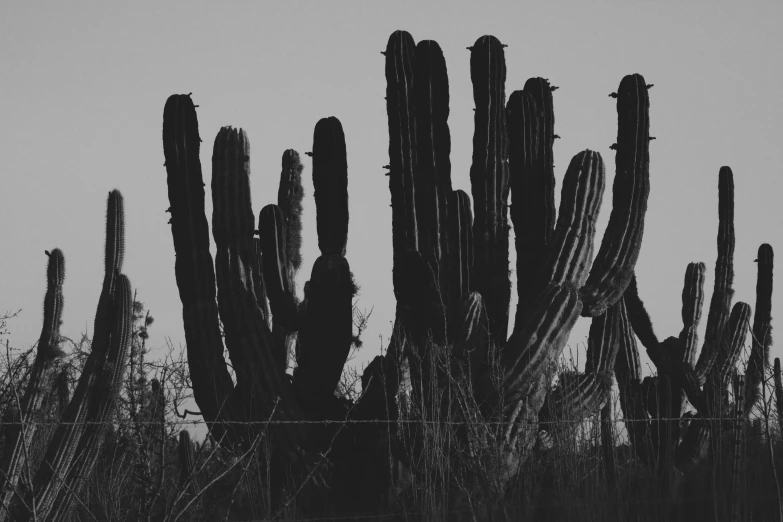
<point>704,382</point>
<point>49,492</point>
<point>252,272</point>
<point>466,264</point>
<point>450,276</point>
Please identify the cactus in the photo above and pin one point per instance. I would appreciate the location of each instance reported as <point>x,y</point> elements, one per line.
<point>704,381</point>
<point>257,343</point>
<point>19,437</point>
<point>186,456</point>
<point>74,448</point>
<point>778,393</point>
<point>556,281</point>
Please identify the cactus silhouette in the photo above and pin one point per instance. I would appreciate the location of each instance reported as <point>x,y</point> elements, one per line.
<point>450,279</point>
<point>76,444</point>
<point>703,381</point>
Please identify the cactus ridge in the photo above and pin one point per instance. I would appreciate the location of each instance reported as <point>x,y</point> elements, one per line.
<point>736,331</point>
<point>614,264</point>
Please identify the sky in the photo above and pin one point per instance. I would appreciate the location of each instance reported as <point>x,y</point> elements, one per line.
<point>84,86</point>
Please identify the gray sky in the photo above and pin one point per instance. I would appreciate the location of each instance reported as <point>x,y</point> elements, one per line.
<point>84,86</point>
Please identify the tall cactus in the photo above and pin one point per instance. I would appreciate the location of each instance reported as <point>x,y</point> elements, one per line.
<point>257,343</point>
<point>555,280</point>
<point>19,436</point>
<point>76,444</point>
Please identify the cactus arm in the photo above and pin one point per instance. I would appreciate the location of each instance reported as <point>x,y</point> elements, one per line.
<point>186,458</point>
<point>330,183</point>
<point>736,461</point>
<point>460,243</point>
<point>277,282</point>
<point>579,395</point>
<point>489,182</point>
<point>762,328</point>
<point>640,320</point>
<point>194,270</point>
<point>778,393</point>
<point>232,228</point>
<point>248,340</point>
<point>628,371</point>
<point>433,166</point>
<point>614,264</point>
<point>257,268</point>
<point>540,342</point>
<point>603,341</point>
<point>736,332</point>
<point>400,56</point>
<point>325,337</point>
<point>109,382</point>
<point>720,303</point>
<point>19,437</point>
<point>692,304</point>
<point>580,203</point>
<point>532,210</point>
<point>289,198</point>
